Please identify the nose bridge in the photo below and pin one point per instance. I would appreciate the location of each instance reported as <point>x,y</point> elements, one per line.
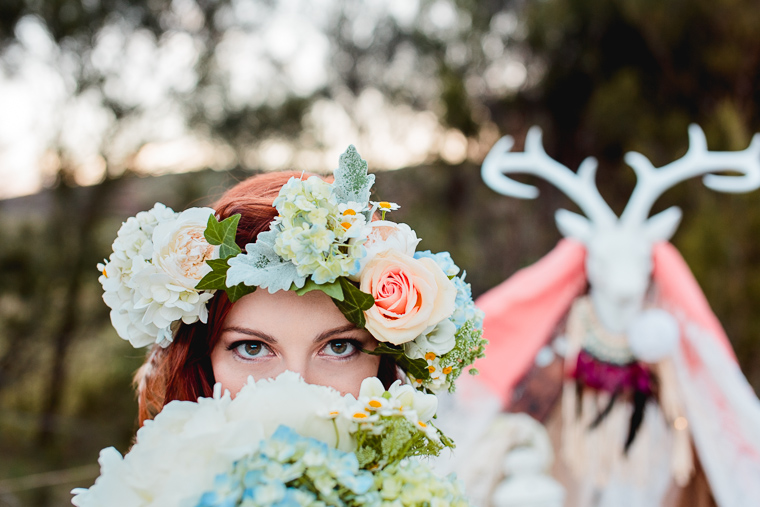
<point>297,362</point>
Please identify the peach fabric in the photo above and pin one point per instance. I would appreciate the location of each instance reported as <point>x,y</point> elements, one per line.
<point>522,313</point>
<point>680,292</point>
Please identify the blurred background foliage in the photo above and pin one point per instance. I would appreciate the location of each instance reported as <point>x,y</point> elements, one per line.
<point>600,77</point>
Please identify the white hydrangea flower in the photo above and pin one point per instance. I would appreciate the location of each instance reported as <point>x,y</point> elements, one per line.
<point>313,232</point>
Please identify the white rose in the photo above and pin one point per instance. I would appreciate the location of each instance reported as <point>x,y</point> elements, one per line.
<point>180,248</point>
<point>384,235</point>
<point>438,340</point>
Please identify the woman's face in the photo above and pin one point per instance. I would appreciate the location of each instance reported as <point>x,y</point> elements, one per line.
<point>265,334</point>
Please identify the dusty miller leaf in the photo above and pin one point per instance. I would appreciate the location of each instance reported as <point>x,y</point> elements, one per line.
<point>261,267</point>
<point>352,183</point>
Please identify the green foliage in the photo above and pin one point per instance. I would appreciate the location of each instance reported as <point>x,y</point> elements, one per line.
<point>223,234</point>
<point>216,279</point>
<point>354,302</point>
<point>416,367</point>
<point>469,346</point>
<point>398,440</point>
<point>334,289</point>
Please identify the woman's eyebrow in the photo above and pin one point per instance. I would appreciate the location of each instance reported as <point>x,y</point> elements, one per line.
<point>326,334</point>
<point>250,332</point>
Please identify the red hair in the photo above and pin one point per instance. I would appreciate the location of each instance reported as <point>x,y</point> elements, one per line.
<point>182,371</point>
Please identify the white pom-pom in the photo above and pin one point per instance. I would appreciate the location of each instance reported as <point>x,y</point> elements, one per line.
<point>653,335</point>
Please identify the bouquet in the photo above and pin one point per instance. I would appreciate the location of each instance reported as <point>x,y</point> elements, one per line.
<point>282,442</point>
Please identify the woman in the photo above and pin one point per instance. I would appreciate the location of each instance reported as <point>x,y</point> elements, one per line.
<point>347,296</point>
<point>262,334</point>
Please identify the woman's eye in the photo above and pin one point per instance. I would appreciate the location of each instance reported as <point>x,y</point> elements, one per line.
<point>340,348</point>
<point>252,349</point>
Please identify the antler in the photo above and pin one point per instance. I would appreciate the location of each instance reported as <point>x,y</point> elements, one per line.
<point>652,183</point>
<point>580,187</point>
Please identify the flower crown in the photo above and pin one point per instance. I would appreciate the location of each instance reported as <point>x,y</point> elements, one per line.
<point>165,267</point>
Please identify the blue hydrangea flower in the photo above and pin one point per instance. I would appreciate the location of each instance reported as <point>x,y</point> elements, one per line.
<point>443,259</point>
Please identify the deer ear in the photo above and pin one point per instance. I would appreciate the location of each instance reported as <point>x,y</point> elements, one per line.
<point>573,225</point>
<point>663,225</point>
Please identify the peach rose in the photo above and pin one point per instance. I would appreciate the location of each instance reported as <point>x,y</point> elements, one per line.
<point>411,295</point>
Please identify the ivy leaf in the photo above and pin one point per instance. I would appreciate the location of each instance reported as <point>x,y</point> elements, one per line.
<point>216,279</point>
<point>213,281</point>
<point>352,183</point>
<point>334,289</point>
<point>354,303</point>
<point>416,367</point>
<point>223,234</point>
<point>238,291</point>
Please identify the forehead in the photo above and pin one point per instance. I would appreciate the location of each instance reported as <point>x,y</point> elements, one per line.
<point>285,313</point>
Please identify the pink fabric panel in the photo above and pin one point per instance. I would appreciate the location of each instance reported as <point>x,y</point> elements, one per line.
<point>522,312</point>
<point>681,292</point>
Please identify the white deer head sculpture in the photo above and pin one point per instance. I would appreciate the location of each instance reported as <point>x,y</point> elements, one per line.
<point>619,250</point>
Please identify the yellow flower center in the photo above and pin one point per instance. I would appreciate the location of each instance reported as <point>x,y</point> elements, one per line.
<point>349,211</point>
<point>431,369</point>
<point>384,204</point>
<point>334,413</point>
<point>430,356</point>
<point>346,225</point>
<point>375,404</point>
<point>422,424</point>
<point>104,273</point>
<point>447,370</point>
<point>360,415</point>
<point>419,381</point>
